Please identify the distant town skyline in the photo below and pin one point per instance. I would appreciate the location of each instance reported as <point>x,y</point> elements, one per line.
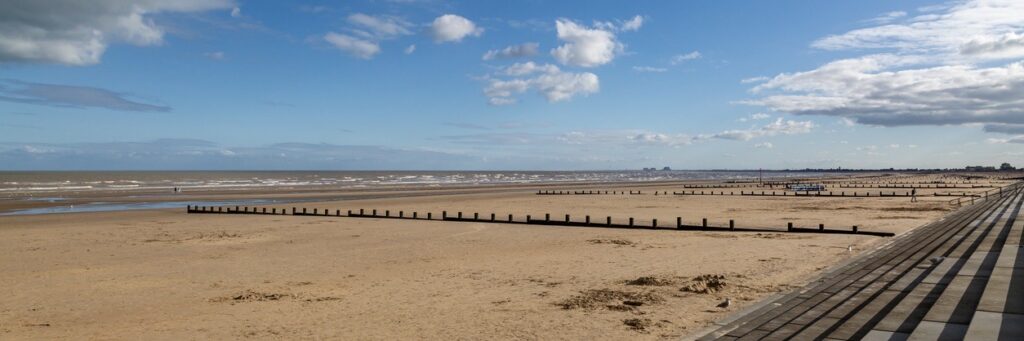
<point>525,85</point>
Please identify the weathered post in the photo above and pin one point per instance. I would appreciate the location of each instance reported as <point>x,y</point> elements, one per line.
<point>854,228</point>
<point>609,221</point>
<point>387,213</point>
<point>732,224</point>
<point>510,218</point>
<point>789,227</point>
<point>588,220</point>
<point>630,221</point>
<point>492,216</point>
<point>444,215</point>
<point>654,223</point>
<point>374,212</point>
<point>679,222</point>
<point>430,215</point>
<point>547,216</point>
<point>567,218</point>
<point>460,214</point>
<point>476,215</point>
<point>704,223</point>
<point>821,227</point>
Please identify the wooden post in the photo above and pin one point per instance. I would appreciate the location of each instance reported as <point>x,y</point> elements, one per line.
<point>630,221</point>
<point>492,216</point>
<point>789,227</point>
<point>387,213</point>
<point>654,223</point>
<point>460,215</point>
<point>732,224</point>
<point>704,223</point>
<point>854,228</point>
<point>679,222</point>
<point>567,218</point>
<point>609,221</point>
<point>430,215</point>
<point>476,216</point>
<point>547,216</point>
<point>588,220</point>
<point>510,218</point>
<point>821,227</point>
<point>374,212</point>
<point>444,215</point>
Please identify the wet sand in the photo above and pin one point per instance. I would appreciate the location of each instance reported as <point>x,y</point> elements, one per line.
<point>166,274</point>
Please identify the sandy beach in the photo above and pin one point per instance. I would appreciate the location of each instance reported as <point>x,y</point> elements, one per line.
<point>164,274</point>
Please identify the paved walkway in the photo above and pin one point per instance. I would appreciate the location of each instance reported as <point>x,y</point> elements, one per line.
<point>961,277</point>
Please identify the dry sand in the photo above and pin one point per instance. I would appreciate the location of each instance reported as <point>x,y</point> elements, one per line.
<point>163,274</point>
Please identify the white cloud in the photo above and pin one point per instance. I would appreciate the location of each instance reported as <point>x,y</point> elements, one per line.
<point>236,12</point>
<point>928,73</point>
<point>584,47</point>
<point>765,145</point>
<point>70,32</point>
<point>755,117</point>
<point>514,51</point>
<point>633,24</point>
<point>778,127</point>
<point>754,80</point>
<point>888,17</point>
<point>1008,45</point>
<point>649,69</point>
<point>453,28</point>
<point>410,49</point>
<point>679,58</point>
<point>548,80</point>
<point>356,47</point>
<point>939,35</point>
<point>522,69</point>
<point>381,27</point>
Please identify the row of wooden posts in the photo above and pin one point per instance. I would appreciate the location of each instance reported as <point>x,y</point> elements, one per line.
<point>529,219</point>
<point>758,193</point>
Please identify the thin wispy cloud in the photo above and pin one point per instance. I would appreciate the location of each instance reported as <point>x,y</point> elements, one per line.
<point>72,96</point>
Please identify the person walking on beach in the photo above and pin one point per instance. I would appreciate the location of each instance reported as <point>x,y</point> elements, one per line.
<point>913,195</point>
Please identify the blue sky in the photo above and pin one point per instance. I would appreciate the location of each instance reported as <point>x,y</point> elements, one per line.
<point>221,84</point>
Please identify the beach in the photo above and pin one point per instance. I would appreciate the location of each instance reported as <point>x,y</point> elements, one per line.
<point>145,274</point>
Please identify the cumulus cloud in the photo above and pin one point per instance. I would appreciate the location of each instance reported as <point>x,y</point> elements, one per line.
<point>410,49</point>
<point>236,12</point>
<point>356,47</point>
<point>585,46</point>
<point>71,96</point>
<point>764,145</point>
<point>548,80</point>
<point>453,28</point>
<point>514,51</point>
<point>927,73</point>
<point>680,58</point>
<point>77,32</point>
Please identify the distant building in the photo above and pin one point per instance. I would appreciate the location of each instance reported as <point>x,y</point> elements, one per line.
<point>981,168</point>
<point>1006,167</point>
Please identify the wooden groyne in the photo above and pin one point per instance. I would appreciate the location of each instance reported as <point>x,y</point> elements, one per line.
<point>607,222</point>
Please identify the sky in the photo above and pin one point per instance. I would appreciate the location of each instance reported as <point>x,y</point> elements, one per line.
<point>510,85</point>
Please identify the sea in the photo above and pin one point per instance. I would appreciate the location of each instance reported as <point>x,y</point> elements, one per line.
<point>13,183</point>
<point>51,191</point>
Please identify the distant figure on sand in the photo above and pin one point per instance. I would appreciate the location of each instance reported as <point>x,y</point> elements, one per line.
<point>913,195</point>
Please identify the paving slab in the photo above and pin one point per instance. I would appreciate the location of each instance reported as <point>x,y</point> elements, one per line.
<point>878,335</point>
<point>958,301</point>
<point>1004,292</point>
<point>929,330</point>
<point>995,326</point>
